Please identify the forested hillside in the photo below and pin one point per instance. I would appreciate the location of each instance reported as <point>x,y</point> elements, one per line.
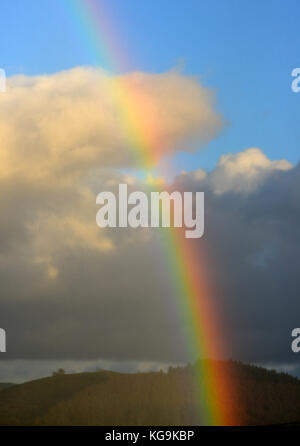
<point>157,398</point>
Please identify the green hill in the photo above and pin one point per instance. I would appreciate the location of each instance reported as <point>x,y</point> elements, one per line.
<point>118,399</point>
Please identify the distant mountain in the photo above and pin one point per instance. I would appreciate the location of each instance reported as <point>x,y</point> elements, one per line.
<point>156,398</point>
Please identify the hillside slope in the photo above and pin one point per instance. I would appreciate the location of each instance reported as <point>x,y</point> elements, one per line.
<point>118,399</point>
<point>5,385</point>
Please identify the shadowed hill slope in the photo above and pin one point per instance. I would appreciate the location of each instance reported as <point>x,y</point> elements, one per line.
<point>5,385</point>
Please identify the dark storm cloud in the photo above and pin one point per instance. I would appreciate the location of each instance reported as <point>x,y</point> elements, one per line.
<point>73,291</point>
<point>253,239</point>
<point>61,299</point>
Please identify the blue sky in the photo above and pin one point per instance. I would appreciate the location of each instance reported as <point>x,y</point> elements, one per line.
<point>245,49</point>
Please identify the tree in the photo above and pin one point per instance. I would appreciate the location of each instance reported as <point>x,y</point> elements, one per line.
<point>59,372</point>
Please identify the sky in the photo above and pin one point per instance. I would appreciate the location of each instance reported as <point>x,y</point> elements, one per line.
<point>216,76</point>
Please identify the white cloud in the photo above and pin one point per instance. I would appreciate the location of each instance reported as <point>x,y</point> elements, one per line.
<point>245,171</point>
<point>241,173</point>
<point>66,123</point>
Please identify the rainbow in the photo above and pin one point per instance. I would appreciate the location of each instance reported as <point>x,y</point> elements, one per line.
<point>187,266</point>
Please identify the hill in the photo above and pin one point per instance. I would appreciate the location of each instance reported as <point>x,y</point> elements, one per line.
<point>5,385</point>
<point>156,398</point>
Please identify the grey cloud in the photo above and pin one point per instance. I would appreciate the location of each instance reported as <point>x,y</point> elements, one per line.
<point>73,292</point>
<point>70,291</point>
<point>252,236</point>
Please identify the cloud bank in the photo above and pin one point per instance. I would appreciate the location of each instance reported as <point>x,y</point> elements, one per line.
<point>70,291</point>
<point>66,123</point>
